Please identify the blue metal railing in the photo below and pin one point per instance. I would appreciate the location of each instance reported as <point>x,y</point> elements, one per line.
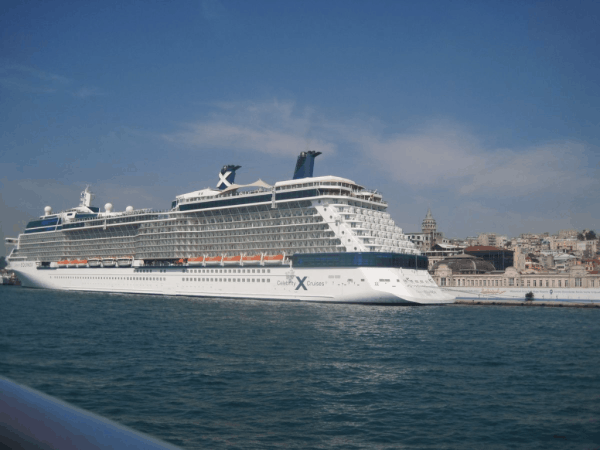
<point>32,420</point>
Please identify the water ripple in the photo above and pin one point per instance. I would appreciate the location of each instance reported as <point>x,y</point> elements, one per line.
<point>248,374</point>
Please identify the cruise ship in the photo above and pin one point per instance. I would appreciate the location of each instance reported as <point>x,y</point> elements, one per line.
<point>322,239</point>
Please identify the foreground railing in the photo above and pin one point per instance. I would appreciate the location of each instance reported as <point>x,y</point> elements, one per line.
<point>32,420</point>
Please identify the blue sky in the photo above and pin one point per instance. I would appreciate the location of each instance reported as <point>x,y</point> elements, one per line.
<point>486,112</point>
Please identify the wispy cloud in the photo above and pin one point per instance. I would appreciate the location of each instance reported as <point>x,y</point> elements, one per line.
<point>86,92</point>
<point>30,79</point>
<point>10,83</point>
<point>273,128</point>
<point>439,155</point>
<point>40,74</point>
<point>446,154</point>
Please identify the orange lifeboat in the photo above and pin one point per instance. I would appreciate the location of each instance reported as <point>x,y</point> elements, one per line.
<point>232,259</point>
<point>195,261</point>
<point>62,264</point>
<point>213,260</point>
<point>273,259</point>
<point>248,260</point>
<point>82,263</point>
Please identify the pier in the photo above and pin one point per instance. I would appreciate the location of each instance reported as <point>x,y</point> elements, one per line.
<point>551,304</point>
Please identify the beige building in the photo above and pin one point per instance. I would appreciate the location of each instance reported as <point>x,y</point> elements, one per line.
<point>576,276</point>
<point>487,239</point>
<point>566,234</point>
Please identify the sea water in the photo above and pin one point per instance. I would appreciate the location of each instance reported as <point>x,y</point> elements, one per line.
<point>220,374</point>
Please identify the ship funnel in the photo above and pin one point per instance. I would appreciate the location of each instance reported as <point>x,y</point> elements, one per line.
<point>305,164</point>
<point>227,176</point>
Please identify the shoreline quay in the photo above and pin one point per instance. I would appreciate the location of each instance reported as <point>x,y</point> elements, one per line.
<point>550,304</point>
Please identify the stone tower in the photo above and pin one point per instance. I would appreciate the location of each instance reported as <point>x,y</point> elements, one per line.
<point>429,225</point>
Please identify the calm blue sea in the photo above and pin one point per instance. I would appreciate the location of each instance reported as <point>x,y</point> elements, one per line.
<point>208,373</point>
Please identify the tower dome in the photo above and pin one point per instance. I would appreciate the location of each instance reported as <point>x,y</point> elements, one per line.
<point>429,225</point>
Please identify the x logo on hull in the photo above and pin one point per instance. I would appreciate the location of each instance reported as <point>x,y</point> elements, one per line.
<point>301,283</point>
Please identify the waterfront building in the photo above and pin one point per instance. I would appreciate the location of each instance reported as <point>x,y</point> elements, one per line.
<point>446,274</point>
<point>500,258</point>
<point>440,252</point>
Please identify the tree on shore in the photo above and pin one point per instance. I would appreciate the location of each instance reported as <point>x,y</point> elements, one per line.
<point>587,235</point>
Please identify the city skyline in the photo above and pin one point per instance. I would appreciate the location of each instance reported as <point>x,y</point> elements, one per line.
<point>485,113</point>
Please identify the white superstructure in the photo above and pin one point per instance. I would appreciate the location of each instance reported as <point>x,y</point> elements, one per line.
<point>311,238</point>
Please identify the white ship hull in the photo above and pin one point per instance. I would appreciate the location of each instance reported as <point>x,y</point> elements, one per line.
<point>518,293</point>
<point>343,285</point>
